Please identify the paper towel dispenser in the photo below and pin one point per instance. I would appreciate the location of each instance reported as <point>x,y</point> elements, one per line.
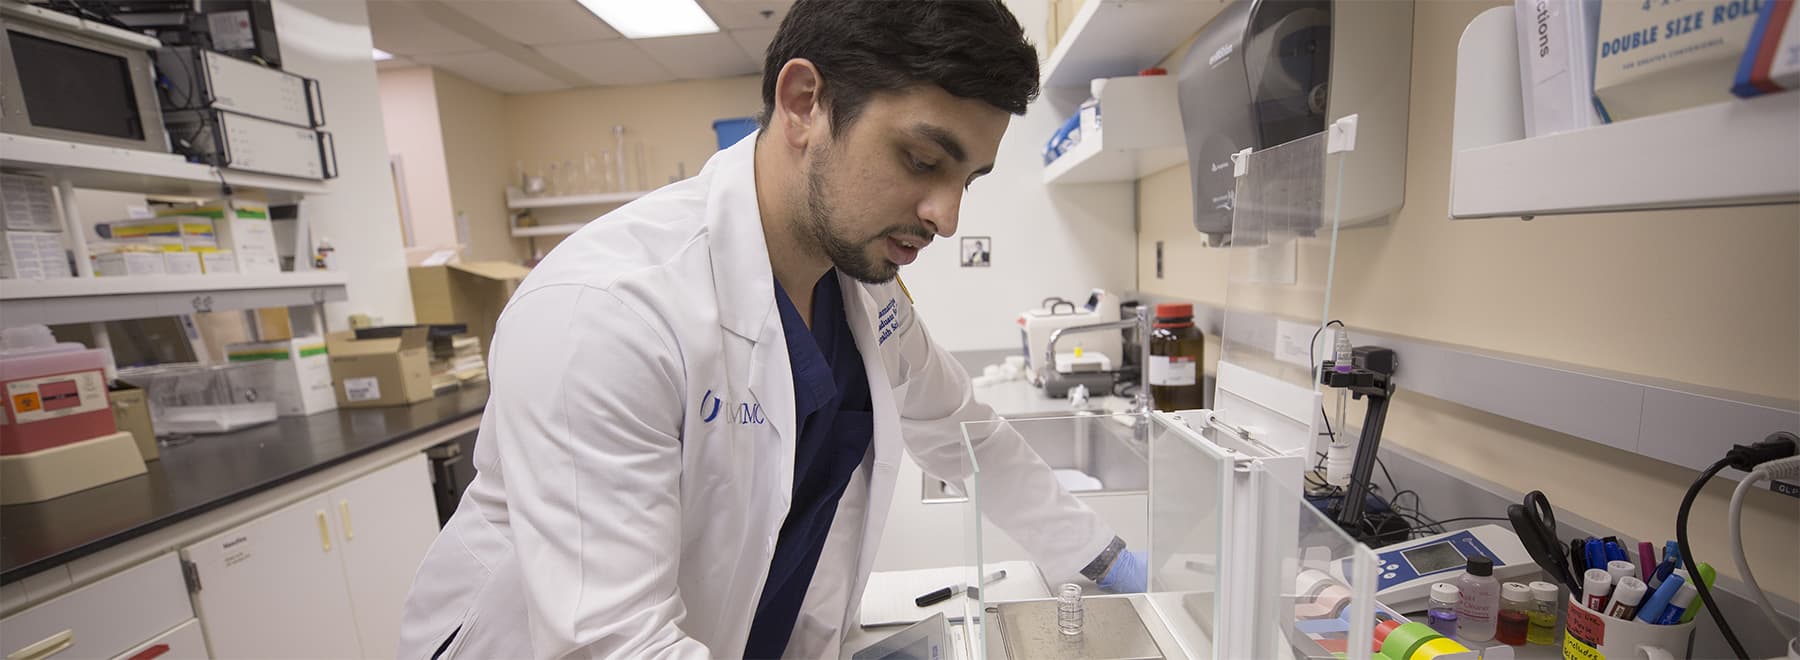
<point>1267,72</point>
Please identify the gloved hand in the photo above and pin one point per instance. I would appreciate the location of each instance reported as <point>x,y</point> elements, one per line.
<point>1129,574</point>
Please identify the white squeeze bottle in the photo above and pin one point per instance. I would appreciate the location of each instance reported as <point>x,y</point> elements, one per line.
<point>1480,601</point>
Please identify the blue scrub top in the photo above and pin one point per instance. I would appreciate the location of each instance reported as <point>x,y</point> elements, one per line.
<point>834,425</point>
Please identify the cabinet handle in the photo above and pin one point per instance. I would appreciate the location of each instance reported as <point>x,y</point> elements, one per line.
<point>349,531</point>
<point>45,647</point>
<point>324,531</point>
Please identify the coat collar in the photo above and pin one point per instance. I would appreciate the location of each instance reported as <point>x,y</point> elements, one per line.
<point>741,271</point>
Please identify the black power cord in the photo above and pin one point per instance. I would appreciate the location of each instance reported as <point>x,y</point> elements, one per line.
<point>1778,445</point>
<point>1687,556</point>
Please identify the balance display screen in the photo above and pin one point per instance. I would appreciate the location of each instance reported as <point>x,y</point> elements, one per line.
<point>1432,558</point>
<point>76,89</point>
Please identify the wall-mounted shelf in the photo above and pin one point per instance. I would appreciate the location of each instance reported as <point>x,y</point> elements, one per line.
<point>1121,37</point>
<point>1735,153</point>
<point>1141,121</point>
<point>90,299</point>
<point>521,202</point>
<point>563,229</point>
<point>129,170</point>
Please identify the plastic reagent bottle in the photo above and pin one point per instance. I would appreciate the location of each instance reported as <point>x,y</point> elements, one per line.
<point>1441,614</point>
<point>1515,618</point>
<point>1341,353</point>
<point>1544,598</point>
<point>1480,600</point>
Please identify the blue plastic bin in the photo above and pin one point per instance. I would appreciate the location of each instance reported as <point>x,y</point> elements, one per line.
<point>734,129</point>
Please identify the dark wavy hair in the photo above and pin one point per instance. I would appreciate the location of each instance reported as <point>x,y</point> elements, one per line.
<point>972,49</point>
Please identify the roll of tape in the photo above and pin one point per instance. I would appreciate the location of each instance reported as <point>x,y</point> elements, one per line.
<point>1404,640</point>
<point>1435,647</point>
<point>1383,629</point>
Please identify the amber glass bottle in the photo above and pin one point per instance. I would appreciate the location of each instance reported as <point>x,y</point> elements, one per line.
<point>1176,349</point>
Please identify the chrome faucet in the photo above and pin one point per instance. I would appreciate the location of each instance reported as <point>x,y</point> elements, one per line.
<point>1140,403</point>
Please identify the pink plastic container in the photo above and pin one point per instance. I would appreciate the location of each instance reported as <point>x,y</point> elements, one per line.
<point>55,394</point>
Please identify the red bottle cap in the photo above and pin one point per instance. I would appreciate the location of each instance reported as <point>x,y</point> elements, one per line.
<point>1154,71</point>
<point>1174,310</point>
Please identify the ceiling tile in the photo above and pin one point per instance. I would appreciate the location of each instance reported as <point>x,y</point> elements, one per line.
<point>399,28</point>
<point>537,22</point>
<point>740,14</point>
<point>754,42</point>
<point>700,56</point>
<point>614,62</point>
<point>495,71</point>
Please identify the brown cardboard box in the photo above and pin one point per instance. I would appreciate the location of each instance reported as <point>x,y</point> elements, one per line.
<point>131,411</point>
<point>373,373</point>
<point>472,293</point>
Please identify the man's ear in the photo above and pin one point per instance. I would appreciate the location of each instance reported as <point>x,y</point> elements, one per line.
<point>798,103</point>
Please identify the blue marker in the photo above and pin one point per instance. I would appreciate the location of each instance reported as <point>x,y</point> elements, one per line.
<point>1596,554</point>
<point>1678,605</point>
<point>1615,552</point>
<point>1652,609</point>
<point>1671,559</point>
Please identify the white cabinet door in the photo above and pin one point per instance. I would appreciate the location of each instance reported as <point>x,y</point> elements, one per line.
<point>274,588</point>
<point>387,520</point>
<point>183,643</point>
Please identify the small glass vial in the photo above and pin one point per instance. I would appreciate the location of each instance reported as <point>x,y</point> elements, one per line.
<point>1515,614</point>
<point>1480,600</point>
<point>1544,599</point>
<point>1442,613</point>
<point>1068,610</point>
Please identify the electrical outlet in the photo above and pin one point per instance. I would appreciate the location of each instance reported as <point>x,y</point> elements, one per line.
<point>1159,270</point>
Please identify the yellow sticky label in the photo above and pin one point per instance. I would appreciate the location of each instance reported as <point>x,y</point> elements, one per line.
<point>1574,649</point>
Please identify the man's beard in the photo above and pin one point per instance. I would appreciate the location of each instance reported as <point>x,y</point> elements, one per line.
<point>818,221</point>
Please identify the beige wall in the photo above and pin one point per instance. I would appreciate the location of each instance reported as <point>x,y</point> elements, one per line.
<point>473,121</point>
<point>409,113</point>
<point>1709,297</point>
<point>672,120</point>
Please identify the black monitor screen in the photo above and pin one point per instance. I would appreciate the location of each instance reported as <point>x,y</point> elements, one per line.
<point>1432,558</point>
<point>76,89</point>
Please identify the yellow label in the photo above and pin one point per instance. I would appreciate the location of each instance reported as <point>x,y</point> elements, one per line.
<point>27,402</point>
<point>1574,649</point>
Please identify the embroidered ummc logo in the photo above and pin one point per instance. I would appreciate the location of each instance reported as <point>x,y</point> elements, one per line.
<point>741,413</point>
<point>889,320</point>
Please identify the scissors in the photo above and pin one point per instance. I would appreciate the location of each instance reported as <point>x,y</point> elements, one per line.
<point>1535,523</point>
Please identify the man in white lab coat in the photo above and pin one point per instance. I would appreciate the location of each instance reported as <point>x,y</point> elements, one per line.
<point>699,400</point>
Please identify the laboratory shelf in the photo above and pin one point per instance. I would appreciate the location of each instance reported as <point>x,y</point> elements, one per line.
<point>562,229</point>
<point>1121,37</point>
<point>1141,134</point>
<point>521,202</point>
<point>130,170</point>
<point>1734,153</point>
<point>89,299</point>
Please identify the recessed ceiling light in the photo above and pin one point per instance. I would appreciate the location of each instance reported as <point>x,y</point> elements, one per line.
<point>643,19</point>
<point>382,55</point>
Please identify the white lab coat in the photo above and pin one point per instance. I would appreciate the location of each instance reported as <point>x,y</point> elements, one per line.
<point>636,456</point>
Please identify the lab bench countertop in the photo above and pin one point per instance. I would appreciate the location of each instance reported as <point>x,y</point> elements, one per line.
<point>209,472</point>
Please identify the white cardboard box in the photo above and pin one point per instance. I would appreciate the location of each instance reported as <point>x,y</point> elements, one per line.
<point>243,228</point>
<point>302,373</point>
<point>129,264</point>
<point>181,263</point>
<point>32,255</point>
<point>220,262</point>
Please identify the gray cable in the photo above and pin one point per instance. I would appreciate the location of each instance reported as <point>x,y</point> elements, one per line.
<point>1783,468</point>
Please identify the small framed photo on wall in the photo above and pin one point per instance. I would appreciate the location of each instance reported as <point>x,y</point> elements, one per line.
<point>976,251</point>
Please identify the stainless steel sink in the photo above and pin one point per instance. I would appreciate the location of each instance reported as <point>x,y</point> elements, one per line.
<point>1087,440</point>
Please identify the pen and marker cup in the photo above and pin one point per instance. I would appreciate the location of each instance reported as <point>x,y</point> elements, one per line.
<point>1592,635</point>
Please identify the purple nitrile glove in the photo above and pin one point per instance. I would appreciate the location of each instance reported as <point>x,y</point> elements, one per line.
<point>1129,574</point>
